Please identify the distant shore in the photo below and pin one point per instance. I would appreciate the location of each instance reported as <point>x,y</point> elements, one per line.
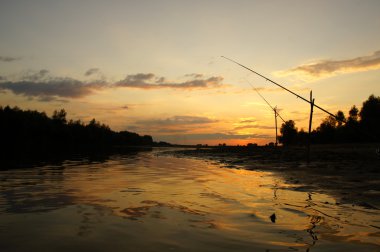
<point>56,155</point>
<point>349,172</point>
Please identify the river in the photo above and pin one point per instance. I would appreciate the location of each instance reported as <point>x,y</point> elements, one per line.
<point>151,202</point>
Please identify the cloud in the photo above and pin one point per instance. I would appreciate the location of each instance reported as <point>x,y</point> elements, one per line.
<point>136,79</point>
<point>217,136</point>
<point>51,99</point>
<point>178,120</point>
<point>176,130</point>
<point>248,121</point>
<point>194,75</point>
<point>91,71</point>
<point>150,81</point>
<point>41,84</point>
<point>35,76</point>
<point>8,59</point>
<point>253,127</point>
<point>327,68</point>
<point>63,87</point>
<point>180,124</point>
<point>211,138</point>
<point>161,80</point>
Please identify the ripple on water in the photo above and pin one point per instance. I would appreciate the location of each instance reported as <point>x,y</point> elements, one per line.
<point>149,202</point>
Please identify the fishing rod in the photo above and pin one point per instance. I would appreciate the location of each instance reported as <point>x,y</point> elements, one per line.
<point>273,108</point>
<point>297,95</point>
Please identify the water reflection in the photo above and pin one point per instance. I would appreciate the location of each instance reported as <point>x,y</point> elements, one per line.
<point>151,203</point>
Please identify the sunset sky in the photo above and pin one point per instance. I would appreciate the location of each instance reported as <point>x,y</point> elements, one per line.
<point>154,67</point>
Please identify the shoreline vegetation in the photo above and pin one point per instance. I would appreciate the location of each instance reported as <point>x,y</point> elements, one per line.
<point>361,126</point>
<point>29,137</point>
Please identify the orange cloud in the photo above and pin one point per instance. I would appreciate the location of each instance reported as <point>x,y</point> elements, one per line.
<point>216,138</point>
<point>326,68</point>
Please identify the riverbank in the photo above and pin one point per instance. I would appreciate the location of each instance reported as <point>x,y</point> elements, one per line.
<point>350,173</point>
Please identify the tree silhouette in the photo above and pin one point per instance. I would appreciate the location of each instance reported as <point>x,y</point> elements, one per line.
<point>363,126</point>
<point>352,127</point>
<point>370,116</point>
<point>288,133</point>
<point>340,118</point>
<point>33,133</point>
<point>59,116</point>
<point>353,114</point>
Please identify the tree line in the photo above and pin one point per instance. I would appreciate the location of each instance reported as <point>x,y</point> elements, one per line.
<point>31,131</point>
<point>360,126</point>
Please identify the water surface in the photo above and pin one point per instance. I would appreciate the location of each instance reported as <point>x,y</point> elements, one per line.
<point>150,202</point>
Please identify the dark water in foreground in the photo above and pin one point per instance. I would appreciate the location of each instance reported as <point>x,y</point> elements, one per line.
<point>149,202</point>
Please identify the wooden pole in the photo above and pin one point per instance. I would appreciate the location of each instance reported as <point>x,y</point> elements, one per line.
<point>275,121</point>
<point>310,121</point>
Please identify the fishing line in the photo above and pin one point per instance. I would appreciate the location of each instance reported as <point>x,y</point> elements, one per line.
<point>273,108</point>
<point>297,95</point>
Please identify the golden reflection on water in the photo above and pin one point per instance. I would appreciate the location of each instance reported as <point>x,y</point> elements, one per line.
<point>155,202</point>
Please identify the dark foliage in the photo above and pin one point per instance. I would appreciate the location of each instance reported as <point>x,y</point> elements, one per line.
<point>33,133</point>
<point>370,116</point>
<point>288,133</point>
<point>360,126</point>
